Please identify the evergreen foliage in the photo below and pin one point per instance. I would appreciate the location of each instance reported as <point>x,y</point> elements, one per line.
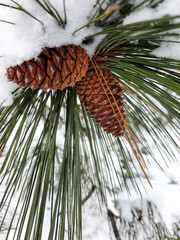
<point>31,158</point>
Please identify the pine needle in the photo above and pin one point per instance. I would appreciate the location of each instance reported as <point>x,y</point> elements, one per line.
<point>4,21</point>
<point>109,12</point>
<point>20,8</point>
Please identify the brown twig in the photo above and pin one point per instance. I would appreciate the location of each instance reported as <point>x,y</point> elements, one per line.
<point>89,194</point>
<point>112,217</point>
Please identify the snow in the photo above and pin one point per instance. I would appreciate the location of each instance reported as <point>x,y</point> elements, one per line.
<point>168,50</point>
<point>95,224</point>
<point>27,38</point>
<point>147,13</point>
<point>168,7</point>
<point>165,196</point>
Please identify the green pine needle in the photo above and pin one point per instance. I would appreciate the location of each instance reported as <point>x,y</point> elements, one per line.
<point>48,7</point>
<point>20,8</point>
<point>4,21</point>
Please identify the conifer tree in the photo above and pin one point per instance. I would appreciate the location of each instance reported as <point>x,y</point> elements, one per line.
<point>108,105</point>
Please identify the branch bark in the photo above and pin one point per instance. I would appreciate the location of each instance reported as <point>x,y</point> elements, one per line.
<point>112,217</point>
<point>89,194</point>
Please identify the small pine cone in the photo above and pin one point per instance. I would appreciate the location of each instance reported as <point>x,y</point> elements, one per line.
<point>55,68</point>
<point>102,98</point>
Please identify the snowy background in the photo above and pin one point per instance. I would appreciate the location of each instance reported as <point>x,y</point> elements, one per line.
<point>25,40</point>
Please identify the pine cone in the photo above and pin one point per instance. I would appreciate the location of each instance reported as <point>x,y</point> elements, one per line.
<point>102,98</point>
<point>55,68</point>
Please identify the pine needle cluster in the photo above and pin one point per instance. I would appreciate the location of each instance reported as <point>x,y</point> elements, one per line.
<point>50,147</point>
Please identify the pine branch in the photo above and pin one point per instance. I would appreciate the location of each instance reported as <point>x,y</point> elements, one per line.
<point>28,133</point>
<point>113,223</point>
<point>89,194</point>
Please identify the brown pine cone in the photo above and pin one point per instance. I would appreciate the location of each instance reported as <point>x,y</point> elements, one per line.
<point>104,103</point>
<point>55,68</point>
